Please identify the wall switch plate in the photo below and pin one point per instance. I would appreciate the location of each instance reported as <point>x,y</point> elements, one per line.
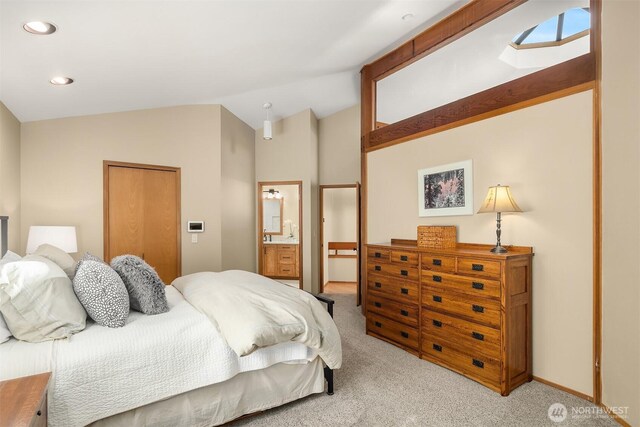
<point>194,238</point>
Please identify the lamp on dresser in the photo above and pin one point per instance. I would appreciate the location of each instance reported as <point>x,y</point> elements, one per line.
<point>63,237</point>
<point>498,200</point>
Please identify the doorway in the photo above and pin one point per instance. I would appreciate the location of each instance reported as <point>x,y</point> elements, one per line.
<point>280,231</point>
<point>340,239</point>
<point>142,215</point>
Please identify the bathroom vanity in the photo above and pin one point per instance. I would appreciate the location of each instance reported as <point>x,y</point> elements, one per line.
<point>280,260</point>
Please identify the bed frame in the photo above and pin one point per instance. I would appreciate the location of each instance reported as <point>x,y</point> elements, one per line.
<point>4,221</point>
<point>328,372</point>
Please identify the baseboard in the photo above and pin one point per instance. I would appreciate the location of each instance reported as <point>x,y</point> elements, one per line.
<point>616,417</point>
<point>565,389</point>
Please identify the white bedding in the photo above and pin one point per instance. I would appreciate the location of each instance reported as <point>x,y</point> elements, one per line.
<point>254,312</point>
<point>101,371</point>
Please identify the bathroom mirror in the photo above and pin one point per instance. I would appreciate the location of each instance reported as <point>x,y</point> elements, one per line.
<point>272,215</point>
<point>531,37</point>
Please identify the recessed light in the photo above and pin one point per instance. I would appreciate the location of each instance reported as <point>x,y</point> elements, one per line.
<point>61,81</point>
<point>408,16</point>
<point>40,28</point>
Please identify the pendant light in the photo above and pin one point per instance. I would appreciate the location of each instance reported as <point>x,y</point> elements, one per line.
<point>266,129</point>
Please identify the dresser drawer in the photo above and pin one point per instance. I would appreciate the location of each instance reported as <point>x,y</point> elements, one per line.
<point>404,313</point>
<point>485,311</point>
<point>395,331</point>
<point>475,366</point>
<point>475,287</point>
<point>398,290</point>
<point>378,254</point>
<point>287,270</point>
<point>40,417</point>
<point>291,248</point>
<point>438,263</point>
<point>479,267</point>
<point>396,271</point>
<point>404,258</point>
<point>467,336</point>
<point>286,257</point>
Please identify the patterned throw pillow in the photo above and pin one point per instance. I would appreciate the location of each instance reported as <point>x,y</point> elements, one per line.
<point>146,290</point>
<point>87,257</point>
<point>102,293</point>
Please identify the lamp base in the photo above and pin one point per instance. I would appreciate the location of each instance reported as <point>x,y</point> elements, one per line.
<point>499,250</point>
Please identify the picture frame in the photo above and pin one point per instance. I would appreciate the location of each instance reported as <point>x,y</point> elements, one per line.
<point>446,190</point>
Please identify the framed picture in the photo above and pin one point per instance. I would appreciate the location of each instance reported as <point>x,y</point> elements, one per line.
<point>446,190</point>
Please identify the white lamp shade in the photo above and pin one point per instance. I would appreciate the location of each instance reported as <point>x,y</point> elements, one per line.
<point>266,130</point>
<point>499,199</point>
<point>63,237</point>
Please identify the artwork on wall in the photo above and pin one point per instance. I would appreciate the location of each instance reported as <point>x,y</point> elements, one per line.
<point>446,190</point>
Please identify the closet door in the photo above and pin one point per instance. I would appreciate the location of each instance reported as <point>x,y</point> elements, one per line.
<point>142,215</point>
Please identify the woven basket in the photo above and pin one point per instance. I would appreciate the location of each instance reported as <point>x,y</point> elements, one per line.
<point>437,237</point>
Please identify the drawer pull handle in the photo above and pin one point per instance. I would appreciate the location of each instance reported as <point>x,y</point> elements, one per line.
<point>437,298</point>
<point>437,347</point>
<point>477,336</point>
<point>477,285</point>
<point>437,279</point>
<point>404,334</point>
<point>378,255</point>
<point>404,258</point>
<point>437,262</point>
<point>478,308</point>
<point>404,291</point>
<point>437,323</point>
<point>478,363</point>
<point>404,312</point>
<point>378,268</point>
<point>377,304</point>
<point>404,272</point>
<point>477,267</point>
<point>39,413</point>
<point>378,324</point>
<point>378,285</point>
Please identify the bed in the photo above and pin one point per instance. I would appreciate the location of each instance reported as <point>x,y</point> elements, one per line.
<point>176,368</point>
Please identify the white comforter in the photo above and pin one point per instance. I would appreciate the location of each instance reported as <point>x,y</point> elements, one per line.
<point>253,312</point>
<point>101,371</point>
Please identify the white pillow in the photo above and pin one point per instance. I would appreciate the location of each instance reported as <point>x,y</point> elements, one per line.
<point>5,333</point>
<point>60,257</point>
<point>38,302</point>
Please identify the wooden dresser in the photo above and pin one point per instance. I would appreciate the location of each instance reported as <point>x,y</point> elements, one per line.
<point>466,309</point>
<point>280,261</point>
<point>24,401</point>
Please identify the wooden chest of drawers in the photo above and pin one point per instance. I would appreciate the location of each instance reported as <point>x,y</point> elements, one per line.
<point>465,309</point>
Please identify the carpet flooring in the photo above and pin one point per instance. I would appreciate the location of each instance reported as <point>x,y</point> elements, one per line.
<point>381,385</point>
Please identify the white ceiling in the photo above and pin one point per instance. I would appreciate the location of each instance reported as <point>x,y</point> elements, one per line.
<point>127,55</point>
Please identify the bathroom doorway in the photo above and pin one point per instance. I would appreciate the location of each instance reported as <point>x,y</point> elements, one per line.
<point>280,231</point>
<point>340,239</point>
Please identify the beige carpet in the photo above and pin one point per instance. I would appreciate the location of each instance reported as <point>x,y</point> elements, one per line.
<point>381,385</point>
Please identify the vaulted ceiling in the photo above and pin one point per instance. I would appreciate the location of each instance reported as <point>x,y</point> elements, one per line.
<point>127,55</point>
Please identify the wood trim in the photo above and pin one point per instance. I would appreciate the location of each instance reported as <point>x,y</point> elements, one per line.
<point>106,164</point>
<point>596,49</point>
<point>463,21</point>
<point>342,256</point>
<point>261,185</point>
<point>563,388</point>
<point>615,417</point>
<point>560,80</point>
<point>363,230</point>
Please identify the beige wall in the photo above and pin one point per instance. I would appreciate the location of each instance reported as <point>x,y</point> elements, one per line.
<point>10,174</point>
<point>544,153</point>
<point>238,193</point>
<point>62,171</point>
<point>339,147</point>
<point>621,206</point>
<point>292,155</point>
<point>340,225</point>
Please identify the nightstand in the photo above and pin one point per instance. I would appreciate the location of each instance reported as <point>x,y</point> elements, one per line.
<point>24,401</point>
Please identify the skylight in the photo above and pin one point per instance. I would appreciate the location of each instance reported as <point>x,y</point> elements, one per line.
<point>569,25</point>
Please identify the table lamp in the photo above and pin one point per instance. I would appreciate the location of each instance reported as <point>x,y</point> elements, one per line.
<point>63,237</point>
<point>499,199</point>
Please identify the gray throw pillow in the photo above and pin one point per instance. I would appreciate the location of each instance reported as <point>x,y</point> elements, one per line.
<point>87,257</point>
<point>102,293</point>
<point>146,290</point>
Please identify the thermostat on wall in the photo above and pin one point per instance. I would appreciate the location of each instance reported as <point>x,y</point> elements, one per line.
<point>195,226</point>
